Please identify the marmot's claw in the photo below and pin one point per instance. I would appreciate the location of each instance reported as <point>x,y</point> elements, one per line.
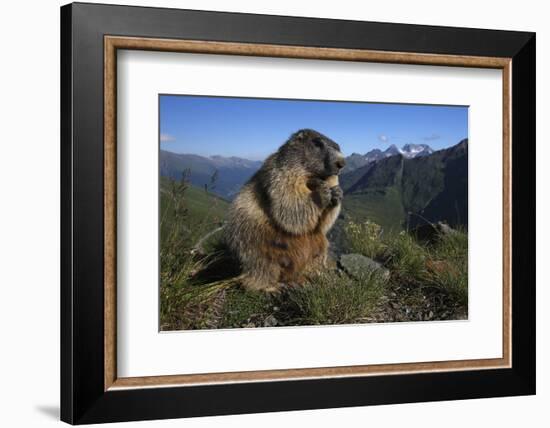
<point>274,290</point>
<point>322,196</point>
<point>315,184</point>
<point>337,194</point>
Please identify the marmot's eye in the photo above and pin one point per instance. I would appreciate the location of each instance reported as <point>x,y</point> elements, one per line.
<point>318,142</point>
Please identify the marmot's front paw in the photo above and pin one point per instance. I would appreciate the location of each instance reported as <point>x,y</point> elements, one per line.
<point>322,195</point>
<point>336,195</point>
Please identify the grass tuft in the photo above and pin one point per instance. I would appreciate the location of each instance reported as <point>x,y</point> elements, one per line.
<point>365,238</point>
<point>406,257</point>
<point>335,298</point>
<point>448,265</point>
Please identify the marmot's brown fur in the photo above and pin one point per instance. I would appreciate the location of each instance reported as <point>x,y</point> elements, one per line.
<point>278,222</point>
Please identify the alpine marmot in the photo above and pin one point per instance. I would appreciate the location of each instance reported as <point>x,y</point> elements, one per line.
<point>278,222</point>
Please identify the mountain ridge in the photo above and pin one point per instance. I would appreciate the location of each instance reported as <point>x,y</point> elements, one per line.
<point>221,175</point>
<point>409,150</point>
<point>398,191</point>
<point>402,187</point>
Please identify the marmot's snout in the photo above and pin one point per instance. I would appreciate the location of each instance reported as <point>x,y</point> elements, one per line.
<point>340,163</point>
<point>335,163</point>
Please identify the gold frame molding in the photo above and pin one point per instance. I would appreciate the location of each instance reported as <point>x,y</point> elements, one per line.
<point>113,43</point>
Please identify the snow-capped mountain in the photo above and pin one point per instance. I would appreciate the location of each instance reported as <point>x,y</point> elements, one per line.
<point>392,151</point>
<point>409,151</point>
<point>415,150</point>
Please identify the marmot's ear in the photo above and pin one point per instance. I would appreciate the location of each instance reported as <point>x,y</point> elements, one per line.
<point>318,142</point>
<point>300,135</point>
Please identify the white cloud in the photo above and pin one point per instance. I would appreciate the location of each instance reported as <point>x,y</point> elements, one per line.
<point>432,137</point>
<point>383,138</point>
<point>166,138</point>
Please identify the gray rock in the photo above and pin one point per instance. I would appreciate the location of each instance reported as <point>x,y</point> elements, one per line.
<point>431,232</point>
<point>270,321</point>
<point>249,325</point>
<point>445,229</point>
<point>357,265</point>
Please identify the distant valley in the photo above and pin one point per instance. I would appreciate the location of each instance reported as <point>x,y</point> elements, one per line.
<point>223,176</point>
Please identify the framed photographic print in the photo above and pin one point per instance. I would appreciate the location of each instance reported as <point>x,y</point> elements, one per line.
<point>266,213</point>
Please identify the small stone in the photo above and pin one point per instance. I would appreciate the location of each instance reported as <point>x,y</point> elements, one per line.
<point>270,321</point>
<point>430,232</point>
<point>357,265</point>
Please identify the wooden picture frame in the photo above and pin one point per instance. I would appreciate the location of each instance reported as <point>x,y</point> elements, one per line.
<point>91,390</point>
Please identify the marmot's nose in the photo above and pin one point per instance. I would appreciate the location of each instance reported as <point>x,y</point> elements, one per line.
<point>340,163</point>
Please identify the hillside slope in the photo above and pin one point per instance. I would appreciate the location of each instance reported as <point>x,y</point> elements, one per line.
<point>203,210</point>
<point>398,192</point>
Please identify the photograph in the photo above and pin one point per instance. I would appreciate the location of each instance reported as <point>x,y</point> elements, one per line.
<point>294,212</point>
<point>277,210</point>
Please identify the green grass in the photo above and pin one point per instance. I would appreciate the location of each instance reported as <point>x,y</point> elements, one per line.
<point>328,298</point>
<point>198,209</point>
<point>244,308</point>
<point>406,257</point>
<point>335,298</point>
<point>451,271</point>
<point>365,238</point>
<point>441,264</point>
<point>186,214</point>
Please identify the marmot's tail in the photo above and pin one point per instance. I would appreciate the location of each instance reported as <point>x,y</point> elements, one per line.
<point>215,287</point>
<point>198,249</point>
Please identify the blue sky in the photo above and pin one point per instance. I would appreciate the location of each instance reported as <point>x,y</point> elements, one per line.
<point>253,128</point>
